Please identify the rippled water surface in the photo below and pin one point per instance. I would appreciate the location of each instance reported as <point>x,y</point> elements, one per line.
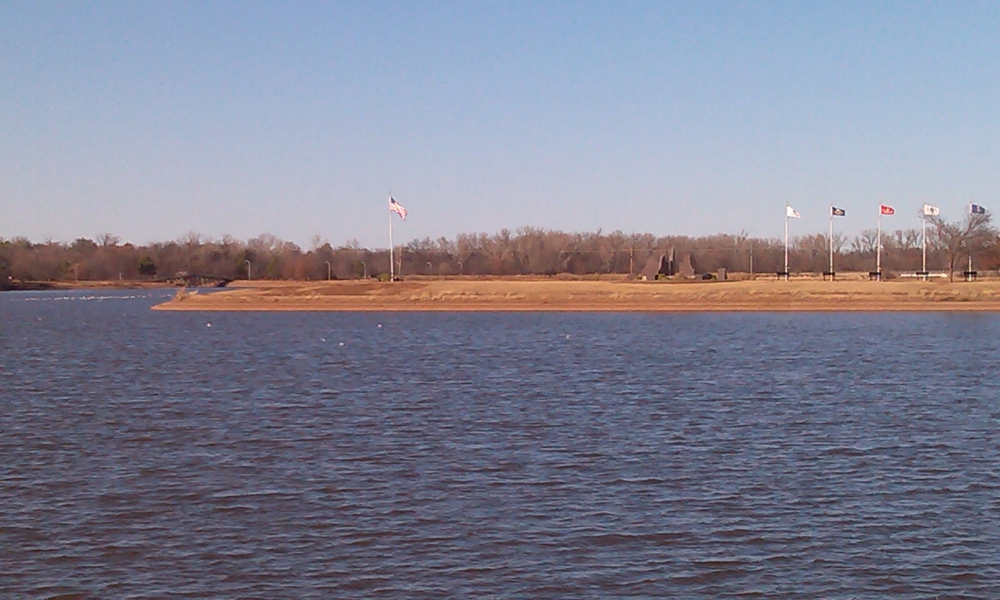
<point>324,455</point>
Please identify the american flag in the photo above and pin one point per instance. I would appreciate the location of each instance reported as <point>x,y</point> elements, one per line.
<point>397,208</point>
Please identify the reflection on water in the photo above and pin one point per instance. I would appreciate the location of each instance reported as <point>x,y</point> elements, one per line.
<point>320,455</point>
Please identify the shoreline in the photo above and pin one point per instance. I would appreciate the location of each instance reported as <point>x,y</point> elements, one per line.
<point>57,286</point>
<point>508,295</point>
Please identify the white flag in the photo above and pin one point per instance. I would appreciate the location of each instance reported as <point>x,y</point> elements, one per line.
<point>791,212</point>
<point>931,211</point>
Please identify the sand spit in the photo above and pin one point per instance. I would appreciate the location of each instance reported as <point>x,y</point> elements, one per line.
<point>608,296</point>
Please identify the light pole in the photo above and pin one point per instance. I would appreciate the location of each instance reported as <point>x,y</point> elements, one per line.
<point>248,269</point>
<point>365,267</point>
<point>329,270</point>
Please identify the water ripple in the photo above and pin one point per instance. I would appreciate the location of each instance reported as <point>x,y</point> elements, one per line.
<point>545,456</point>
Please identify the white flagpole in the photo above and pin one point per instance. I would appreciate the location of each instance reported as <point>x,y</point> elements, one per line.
<point>969,276</point>
<point>923,243</point>
<point>831,242</point>
<point>878,247</point>
<point>392,266</point>
<point>786,242</point>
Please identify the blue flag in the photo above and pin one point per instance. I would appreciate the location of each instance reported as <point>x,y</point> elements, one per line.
<point>977,210</point>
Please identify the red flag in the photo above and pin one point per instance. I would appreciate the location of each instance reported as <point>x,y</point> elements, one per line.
<point>886,210</point>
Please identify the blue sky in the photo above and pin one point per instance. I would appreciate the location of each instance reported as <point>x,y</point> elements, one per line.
<point>151,120</point>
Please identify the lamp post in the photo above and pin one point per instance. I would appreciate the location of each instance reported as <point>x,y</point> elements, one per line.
<point>365,267</point>
<point>461,268</point>
<point>248,269</point>
<point>329,270</point>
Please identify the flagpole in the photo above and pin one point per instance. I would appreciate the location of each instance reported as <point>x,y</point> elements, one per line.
<point>968,277</point>
<point>786,242</point>
<point>392,266</point>
<point>831,242</point>
<point>878,247</point>
<point>923,242</point>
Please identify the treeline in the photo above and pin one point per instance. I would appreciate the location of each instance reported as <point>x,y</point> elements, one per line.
<point>527,251</point>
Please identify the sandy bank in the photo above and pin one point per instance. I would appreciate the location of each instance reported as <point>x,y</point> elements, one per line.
<point>520,295</point>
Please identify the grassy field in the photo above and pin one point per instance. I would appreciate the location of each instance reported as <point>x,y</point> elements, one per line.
<point>601,295</point>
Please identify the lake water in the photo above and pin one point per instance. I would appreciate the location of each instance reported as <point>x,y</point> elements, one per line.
<point>325,455</point>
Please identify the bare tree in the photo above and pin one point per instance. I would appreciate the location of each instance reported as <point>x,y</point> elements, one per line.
<point>973,233</point>
<point>191,242</point>
<point>865,243</point>
<point>108,239</point>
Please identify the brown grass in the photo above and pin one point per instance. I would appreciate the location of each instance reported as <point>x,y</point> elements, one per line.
<point>549,295</point>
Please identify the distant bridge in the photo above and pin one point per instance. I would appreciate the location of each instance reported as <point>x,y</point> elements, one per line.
<point>195,280</point>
